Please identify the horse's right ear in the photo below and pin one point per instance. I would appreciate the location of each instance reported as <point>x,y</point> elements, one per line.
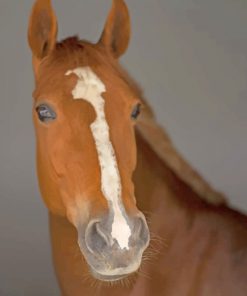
<point>42,30</point>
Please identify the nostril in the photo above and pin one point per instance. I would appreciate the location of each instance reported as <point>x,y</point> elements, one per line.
<point>95,237</point>
<point>142,232</point>
<point>103,233</point>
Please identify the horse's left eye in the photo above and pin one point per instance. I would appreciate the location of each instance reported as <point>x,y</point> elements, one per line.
<point>45,113</point>
<point>136,111</point>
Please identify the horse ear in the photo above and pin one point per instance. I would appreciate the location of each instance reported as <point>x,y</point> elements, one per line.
<point>116,34</point>
<point>42,31</point>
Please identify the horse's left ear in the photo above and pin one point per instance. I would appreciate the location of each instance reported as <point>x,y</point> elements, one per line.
<point>116,34</point>
<point>42,30</point>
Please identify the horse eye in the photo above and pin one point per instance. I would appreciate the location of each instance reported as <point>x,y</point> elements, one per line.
<point>136,111</point>
<point>45,113</point>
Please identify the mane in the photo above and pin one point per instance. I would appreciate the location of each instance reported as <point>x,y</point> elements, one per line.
<point>67,50</point>
<point>68,45</point>
<point>149,129</point>
<point>161,144</point>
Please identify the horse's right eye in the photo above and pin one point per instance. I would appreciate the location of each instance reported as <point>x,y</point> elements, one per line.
<point>45,113</point>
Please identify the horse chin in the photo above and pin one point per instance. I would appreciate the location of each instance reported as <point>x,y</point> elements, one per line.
<point>108,278</point>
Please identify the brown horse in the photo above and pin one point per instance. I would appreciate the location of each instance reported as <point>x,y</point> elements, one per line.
<point>101,169</point>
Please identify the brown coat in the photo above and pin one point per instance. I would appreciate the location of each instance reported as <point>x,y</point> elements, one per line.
<point>198,244</point>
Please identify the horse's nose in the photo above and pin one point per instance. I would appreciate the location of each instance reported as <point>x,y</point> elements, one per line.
<point>98,236</point>
<point>140,234</point>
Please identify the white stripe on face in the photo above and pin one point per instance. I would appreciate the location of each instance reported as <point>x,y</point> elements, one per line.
<point>90,88</point>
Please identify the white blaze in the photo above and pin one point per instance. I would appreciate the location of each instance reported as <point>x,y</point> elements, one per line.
<point>90,88</point>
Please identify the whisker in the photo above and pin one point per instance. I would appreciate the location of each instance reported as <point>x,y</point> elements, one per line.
<point>144,274</point>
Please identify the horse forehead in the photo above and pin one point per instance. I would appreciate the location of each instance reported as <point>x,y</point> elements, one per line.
<point>89,85</point>
<point>51,84</point>
<point>52,78</point>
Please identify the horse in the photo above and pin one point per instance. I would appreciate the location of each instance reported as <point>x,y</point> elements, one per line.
<point>128,215</point>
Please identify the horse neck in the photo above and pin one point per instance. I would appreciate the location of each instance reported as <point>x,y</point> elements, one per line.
<point>167,201</point>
